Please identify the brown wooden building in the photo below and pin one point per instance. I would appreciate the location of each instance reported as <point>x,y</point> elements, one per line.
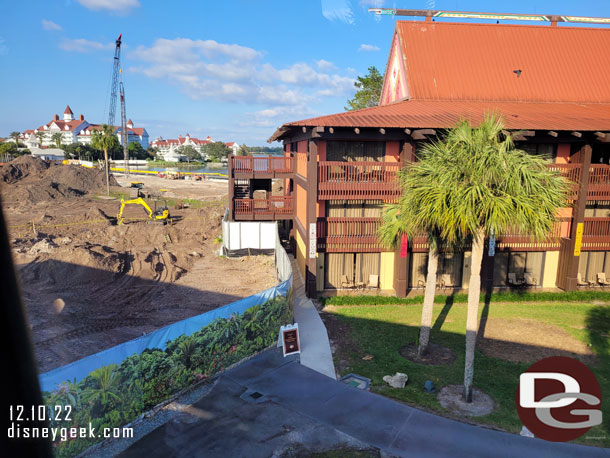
<point>551,87</point>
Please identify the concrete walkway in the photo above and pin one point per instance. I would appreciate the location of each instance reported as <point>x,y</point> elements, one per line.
<point>315,346</point>
<point>270,404</point>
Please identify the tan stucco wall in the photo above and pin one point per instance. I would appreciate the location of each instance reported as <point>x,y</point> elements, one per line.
<point>386,271</point>
<point>551,263</point>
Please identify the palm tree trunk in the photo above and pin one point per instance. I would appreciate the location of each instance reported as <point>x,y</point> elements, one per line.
<point>427,309</point>
<point>474,294</point>
<point>107,172</point>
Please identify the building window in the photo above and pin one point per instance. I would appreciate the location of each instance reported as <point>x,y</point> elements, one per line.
<point>350,269</point>
<point>597,209</point>
<point>448,272</point>
<point>517,263</point>
<point>355,151</point>
<point>353,209</point>
<point>592,263</point>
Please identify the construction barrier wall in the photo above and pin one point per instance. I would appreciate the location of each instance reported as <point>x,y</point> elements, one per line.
<point>239,237</point>
<point>115,386</point>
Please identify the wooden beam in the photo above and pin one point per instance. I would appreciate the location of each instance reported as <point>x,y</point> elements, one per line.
<point>552,133</point>
<point>331,130</point>
<point>319,129</point>
<point>408,131</point>
<point>577,134</point>
<point>602,136</point>
<point>421,133</point>
<point>382,131</point>
<point>521,135</point>
<point>356,130</point>
<point>304,129</point>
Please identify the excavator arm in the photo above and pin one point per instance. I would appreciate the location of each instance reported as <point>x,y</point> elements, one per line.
<point>138,201</point>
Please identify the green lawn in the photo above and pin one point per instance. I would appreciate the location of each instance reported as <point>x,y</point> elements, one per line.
<point>381,330</point>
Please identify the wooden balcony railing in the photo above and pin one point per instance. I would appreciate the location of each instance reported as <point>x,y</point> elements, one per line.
<point>348,235</point>
<point>273,208</point>
<point>358,180</point>
<point>263,167</point>
<point>596,230</point>
<point>599,182</point>
<point>599,179</point>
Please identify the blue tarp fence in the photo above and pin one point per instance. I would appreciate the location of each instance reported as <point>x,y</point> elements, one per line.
<point>157,339</point>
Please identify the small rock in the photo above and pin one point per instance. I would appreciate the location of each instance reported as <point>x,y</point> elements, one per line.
<point>42,246</point>
<point>526,432</point>
<point>398,380</point>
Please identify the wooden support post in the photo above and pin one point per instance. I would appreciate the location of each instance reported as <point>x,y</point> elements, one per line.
<point>578,217</point>
<point>312,217</point>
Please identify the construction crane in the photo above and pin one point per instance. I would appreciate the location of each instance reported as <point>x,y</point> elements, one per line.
<point>431,14</point>
<point>117,85</point>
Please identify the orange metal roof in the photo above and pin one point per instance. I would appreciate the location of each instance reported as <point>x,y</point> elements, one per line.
<point>456,71</point>
<point>457,61</point>
<point>443,114</point>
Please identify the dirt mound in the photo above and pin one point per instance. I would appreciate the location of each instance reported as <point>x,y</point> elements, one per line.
<point>29,180</point>
<point>22,167</point>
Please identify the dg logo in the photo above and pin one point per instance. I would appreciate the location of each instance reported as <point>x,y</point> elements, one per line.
<point>559,399</point>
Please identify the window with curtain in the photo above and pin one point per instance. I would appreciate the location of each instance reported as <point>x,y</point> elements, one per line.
<point>592,263</point>
<point>353,209</point>
<point>355,151</point>
<point>517,262</point>
<point>357,267</point>
<point>449,269</point>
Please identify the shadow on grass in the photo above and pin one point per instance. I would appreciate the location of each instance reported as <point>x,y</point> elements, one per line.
<point>440,320</point>
<point>379,336</point>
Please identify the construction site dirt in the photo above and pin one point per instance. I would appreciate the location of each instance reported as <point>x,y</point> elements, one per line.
<point>89,284</point>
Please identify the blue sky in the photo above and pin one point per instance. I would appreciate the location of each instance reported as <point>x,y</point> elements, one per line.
<point>234,70</point>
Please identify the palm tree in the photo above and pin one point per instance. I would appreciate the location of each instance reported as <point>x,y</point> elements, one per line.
<point>480,184</point>
<point>15,136</point>
<point>40,136</point>
<point>104,139</point>
<point>409,217</point>
<point>106,381</point>
<point>56,137</point>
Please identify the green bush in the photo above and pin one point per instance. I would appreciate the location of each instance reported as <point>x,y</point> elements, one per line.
<point>509,296</point>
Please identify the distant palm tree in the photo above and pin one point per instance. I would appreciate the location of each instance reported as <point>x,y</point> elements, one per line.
<point>56,138</point>
<point>40,136</point>
<point>480,184</point>
<point>104,139</point>
<point>15,136</point>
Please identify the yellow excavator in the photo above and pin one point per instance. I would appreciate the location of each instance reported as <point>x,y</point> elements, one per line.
<point>160,214</point>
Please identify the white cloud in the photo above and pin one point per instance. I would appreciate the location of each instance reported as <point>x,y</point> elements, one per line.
<point>117,6</point>
<point>234,73</point>
<point>84,45</point>
<point>365,47</point>
<point>325,65</point>
<point>372,3</point>
<point>338,10</point>
<point>50,25</point>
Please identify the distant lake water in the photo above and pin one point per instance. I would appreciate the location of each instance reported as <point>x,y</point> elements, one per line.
<point>182,168</point>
